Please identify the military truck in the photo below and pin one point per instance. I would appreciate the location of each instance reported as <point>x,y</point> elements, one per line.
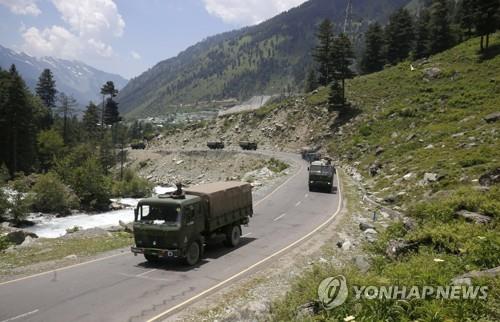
<point>306,152</point>
<point>215,145</point>
<point>179,224</point>
<point>138,146</point>
<point>247,145</point>
<point>321,174</point>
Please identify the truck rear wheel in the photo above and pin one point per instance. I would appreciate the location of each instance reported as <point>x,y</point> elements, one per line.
<point>233,236</point>
<point>193,254</point>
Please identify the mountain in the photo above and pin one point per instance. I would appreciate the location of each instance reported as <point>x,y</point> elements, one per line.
<point>268,58</point>
<point>74,78</point>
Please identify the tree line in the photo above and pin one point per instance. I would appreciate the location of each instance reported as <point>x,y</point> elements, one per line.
<point>53,161</point>
<point>434,29</point>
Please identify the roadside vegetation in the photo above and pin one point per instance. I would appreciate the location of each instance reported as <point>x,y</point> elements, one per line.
<point>52,161</point>
<point>426,141</point>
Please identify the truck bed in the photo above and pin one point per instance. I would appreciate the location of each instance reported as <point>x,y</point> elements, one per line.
<point>227,202</point>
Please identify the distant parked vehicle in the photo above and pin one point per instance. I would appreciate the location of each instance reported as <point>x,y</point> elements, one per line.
<point>215,145</point>
<point>307,151</point>
<point>138,146</point>
<point>247,145</point>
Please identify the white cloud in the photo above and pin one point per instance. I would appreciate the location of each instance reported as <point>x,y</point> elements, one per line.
<point>92,24</point>
<point>53,41</point>
<point>248,12</point>
<point>91,18</point>
<point>22,7</point>
<point>135,55</point>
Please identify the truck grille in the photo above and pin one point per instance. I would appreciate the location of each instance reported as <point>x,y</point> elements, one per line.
<point>153,239</point>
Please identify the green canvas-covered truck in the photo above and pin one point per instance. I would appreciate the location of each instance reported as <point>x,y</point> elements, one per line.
<point>321,175</point>
<point>179,224</point>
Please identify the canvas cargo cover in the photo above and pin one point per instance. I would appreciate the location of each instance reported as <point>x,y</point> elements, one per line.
<point>224,197</point>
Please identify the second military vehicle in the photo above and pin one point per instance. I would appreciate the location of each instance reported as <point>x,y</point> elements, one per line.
<point>215,145</point>
<point>247,145</point>
<point>180,223</point>
<point>321,175</point>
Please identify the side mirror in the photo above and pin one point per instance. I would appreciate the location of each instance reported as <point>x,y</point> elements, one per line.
<point>136,214</point>
<point>307,168</point>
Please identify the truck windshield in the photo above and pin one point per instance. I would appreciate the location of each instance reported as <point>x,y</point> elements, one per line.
<point>159,215</point>
<point>322,170</point>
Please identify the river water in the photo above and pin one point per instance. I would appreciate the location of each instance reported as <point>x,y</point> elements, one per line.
<point>52,227</point>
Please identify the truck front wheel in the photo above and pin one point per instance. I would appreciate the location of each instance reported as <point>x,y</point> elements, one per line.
<point>152,258</point>
<point>233,235</point>
<point>193,254</point>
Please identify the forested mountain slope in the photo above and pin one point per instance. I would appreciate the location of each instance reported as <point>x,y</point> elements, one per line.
<point>268,58</point>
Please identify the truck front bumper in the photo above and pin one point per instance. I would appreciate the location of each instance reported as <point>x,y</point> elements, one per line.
<point>320,183</point>
<point>162,253</point>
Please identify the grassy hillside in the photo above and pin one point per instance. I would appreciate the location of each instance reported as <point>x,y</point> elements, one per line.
<point>429,120</point>
<point>264,59</point>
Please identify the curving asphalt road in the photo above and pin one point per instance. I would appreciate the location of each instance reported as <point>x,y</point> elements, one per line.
<point>123,287</point>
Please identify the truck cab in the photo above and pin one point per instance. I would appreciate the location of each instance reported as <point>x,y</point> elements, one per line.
<point>321,175</point>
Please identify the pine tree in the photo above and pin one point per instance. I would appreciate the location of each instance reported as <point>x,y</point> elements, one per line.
<point>440,34</point>
<point>335,99</point>
<point>373,58</point>
<point>311,81</point>
<point>341,58</point>
<point>91,121</point>
<point>486,19</point>
<point>322,52</point>
<point>465,16</point>
<point>399,36</point>
<point>67,106</point>
<point>111,113</point>
<point>17,124</point>
<point>422,36</point>
<point>107,89</point>
<point>46,88</point>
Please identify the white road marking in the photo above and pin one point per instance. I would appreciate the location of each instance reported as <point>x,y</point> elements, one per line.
<point>306,195</point>
<point>298,203</point>
<point>235,276</point>
<point>21,316</point>
<point>145,277</point>
<point>146,272</point>
<point>279,217</point>
<point>248,234</point>
<point>280,186</point>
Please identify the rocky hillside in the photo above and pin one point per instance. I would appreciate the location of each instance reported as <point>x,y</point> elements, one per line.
<point>268,58</point>
<point>74,78</point>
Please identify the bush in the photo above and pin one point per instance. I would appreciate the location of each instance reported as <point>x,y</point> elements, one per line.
<point>91,185</point>
<point>276,165</point>
<point>132,186</point>
<point>50,146</point>
<point>53,196</point>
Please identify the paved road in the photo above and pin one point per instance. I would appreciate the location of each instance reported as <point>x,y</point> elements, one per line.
<point>126,288</point>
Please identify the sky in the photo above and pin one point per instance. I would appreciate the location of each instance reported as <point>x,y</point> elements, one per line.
<point>125,37</point>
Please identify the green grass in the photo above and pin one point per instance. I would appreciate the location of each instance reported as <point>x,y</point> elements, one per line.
<point>423,126</point>
<point>55,249</point>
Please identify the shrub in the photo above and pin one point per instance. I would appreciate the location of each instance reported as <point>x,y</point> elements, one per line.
<point>276,165</point>
<point>91,185</point>
<point>53,196</point>
<point>132,186</point>
<point>50,146</point>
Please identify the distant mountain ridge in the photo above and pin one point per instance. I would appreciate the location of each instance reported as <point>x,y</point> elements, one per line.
<point>260,60</point>
<point>74,78</point>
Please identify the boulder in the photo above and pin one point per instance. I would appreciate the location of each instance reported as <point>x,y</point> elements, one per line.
<point>432,73</point>
<point>397,247</point>
<point>365,226</point>
<point>361,263</point>
<point>490,178</point>
<point>493,117</point>
<point>19,236</point>
<point>374,169</point>
<point>308,309</point>
<point>473,217</point>
<point>129,228</point>
<point>409,223</point>
<point>379,150</point>
<point>431,177</point>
